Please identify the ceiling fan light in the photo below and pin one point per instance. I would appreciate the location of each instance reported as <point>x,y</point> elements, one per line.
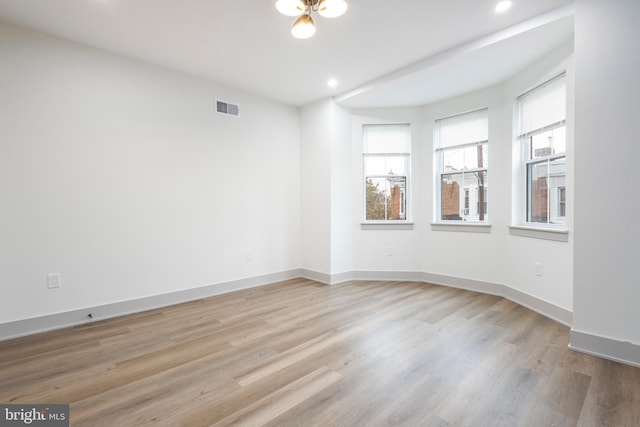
<point>303,28</point>
<point>290,7</point>
<point>332,8</point>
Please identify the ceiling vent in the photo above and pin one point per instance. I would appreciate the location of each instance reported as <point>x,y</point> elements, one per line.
<point>228,109</point>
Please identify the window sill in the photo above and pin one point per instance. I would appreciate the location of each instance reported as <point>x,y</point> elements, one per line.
<point>468,227</point>
<point>555,234</point>
<point>386,225</point>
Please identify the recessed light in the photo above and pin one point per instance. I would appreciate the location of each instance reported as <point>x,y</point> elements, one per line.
<point>332,83</point>
<point>503,6</point>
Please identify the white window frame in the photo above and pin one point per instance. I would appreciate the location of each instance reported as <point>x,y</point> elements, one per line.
<point>405,196</point>
<point>440,171</point>
<point>562,201</point>
<point>529,161</point>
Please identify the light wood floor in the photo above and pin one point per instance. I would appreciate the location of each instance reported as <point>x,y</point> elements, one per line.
<point>299,353</point>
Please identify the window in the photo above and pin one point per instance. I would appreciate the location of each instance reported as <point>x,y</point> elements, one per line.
<point>386,157</point>
<point>543,140</point>
<point>562,203</point>
<point>461,152</point>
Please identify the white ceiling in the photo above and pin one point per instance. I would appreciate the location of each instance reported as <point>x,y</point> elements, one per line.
<point>382,52</point>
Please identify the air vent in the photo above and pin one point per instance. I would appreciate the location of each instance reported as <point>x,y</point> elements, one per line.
<point>228,109</point>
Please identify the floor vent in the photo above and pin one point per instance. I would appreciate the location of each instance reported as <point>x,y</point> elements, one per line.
<point>228,109</point>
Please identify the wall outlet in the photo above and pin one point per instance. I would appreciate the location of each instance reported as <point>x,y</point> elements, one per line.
<point>389,251</point>
<point>54,280</point>
<point>538,266</point>
<point>248,256</point>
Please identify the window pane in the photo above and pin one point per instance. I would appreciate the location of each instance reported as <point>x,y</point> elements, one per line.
<point>548,143</point>
<point>537,175</point>
<point>464,196</point>
<point>545,180</point>
<point>476,157</point>
<point>452,197</point>
<point>476,183</point>
<point>397,165</point>
<point>397,197</point>
<point>452,159</point>
<point>386,198</point>
<point>557,180</point>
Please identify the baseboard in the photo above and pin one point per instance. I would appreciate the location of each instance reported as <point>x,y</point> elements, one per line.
<point>607,348</point>
<point>316,276</point>
<point>326,278</point>
<point>383,276</point>
<point>50,322</point>
<point>75,317</point>
<point>468,284</point>
<point>536,304</point>
<point>545,308</point>
<point>395,276</point>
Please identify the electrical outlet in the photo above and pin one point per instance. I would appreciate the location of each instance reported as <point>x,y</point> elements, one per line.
<point>390,251</point>
<point>538,269</point>
<point>54,280</point>
<point>248,256</point>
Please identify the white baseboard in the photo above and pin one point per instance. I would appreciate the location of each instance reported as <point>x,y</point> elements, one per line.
<point>76,317</point>
<point>536,304</point>
<point>395,276</point>
<point>317,276</point>
<point>619,351</point>
<point>607,348</point>
<point>545,308</point>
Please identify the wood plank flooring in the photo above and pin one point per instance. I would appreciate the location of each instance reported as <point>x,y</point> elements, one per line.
<point>299,353</point>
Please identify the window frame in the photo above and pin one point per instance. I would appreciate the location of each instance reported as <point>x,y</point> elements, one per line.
<point>562,201</point>
<point>404,196</point>
<point>529,161</point>
<point>440,173</point>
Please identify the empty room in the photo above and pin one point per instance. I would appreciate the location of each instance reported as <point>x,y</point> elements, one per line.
<point>319,213</point>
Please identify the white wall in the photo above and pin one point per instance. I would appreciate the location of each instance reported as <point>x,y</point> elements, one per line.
<point>123,178</point>
<point>325,165</point>
<point>315,176</point>
<point>370,245</point>
<point>341,191</point>
<point>607,291</point>
<point>466,254</point>
<point>521,253</point>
